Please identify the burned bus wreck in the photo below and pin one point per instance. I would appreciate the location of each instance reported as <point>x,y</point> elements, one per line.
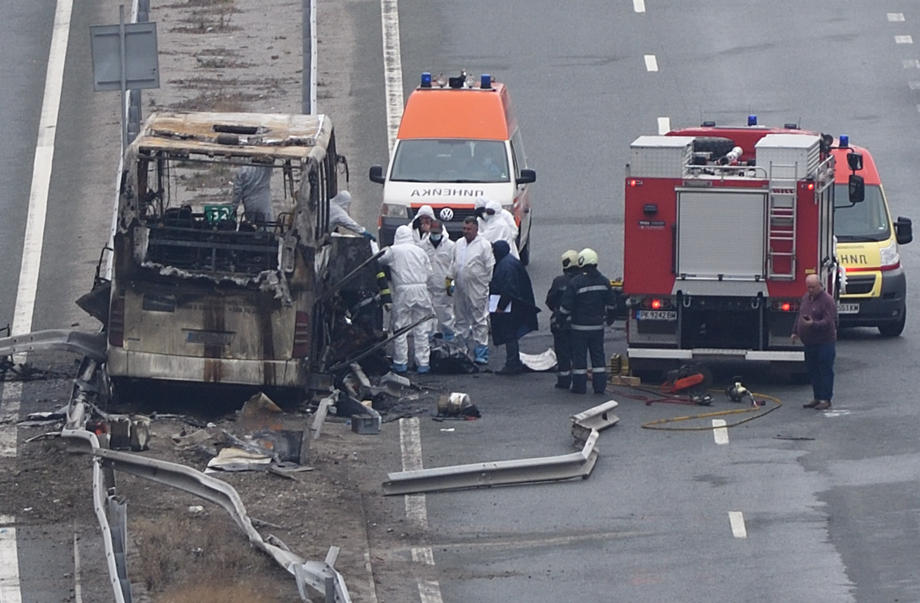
<point>224,271</point>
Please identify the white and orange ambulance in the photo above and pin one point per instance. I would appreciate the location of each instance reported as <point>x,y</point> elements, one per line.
<point>458,140</point>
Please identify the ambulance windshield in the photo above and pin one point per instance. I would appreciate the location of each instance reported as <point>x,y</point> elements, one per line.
<point>450,161</point>
<point>866,221</point>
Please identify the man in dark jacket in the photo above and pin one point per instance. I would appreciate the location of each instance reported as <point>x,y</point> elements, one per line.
<point>587,304</point>
<point>512,307</point>
<point>816,327</point>
<point>562,334</point>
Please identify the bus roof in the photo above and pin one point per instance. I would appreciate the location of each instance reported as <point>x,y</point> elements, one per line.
<point>467,113</point>
<point>277,135</point>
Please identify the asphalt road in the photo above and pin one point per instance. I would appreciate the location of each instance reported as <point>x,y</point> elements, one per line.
<point>828,501</point>
<point>798,505</point>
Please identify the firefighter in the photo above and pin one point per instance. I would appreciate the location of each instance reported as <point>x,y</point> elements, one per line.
<point>587,304</point>
<point>562,335</point>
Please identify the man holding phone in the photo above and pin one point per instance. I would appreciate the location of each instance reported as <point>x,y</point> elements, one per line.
<point>816,327</point>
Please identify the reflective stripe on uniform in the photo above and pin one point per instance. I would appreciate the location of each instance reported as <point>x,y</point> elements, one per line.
<point>587,327</point>
<point>580,371</point>
<point>590,288</point>
<point>563,373</point>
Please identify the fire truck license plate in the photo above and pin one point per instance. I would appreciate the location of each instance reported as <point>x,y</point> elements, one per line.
<point>847,308</point>
<point>656,315</point>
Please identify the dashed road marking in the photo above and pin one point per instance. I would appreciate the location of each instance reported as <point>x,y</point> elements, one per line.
<point>720,431</point>
<point>639,6</point>
<point>896,17</point>
<point>736,519</point>
<point>903,40</point>
<point>651,63</point>
<point>910,63</point>
<point>410,442</point>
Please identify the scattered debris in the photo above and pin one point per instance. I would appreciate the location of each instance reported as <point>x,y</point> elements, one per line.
<point>457,405</point>
<point>594,419</point>
<point>539,362</point>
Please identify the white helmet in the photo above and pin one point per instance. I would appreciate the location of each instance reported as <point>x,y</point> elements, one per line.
<point>569,259</point>
<point>587,257</point>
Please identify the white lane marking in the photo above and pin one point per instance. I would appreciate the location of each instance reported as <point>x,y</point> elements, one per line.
<point>9,561</point>
<point>28,270</point>
<point>664,125</point>
<point>910,63</point>
<point>639,6</point>
<point>914,85</point>
<point>896,17</point>
<point>77,585</point>
<point>903,40</point>
<point>720,431</point>
<point>392,67</point>
<point>651,63</point>
<point>410,442</point>
<point>737,521</point>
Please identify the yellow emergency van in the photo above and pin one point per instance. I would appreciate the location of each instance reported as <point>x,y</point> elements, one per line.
<point>875,293</point>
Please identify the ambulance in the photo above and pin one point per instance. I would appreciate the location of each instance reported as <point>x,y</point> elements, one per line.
<point>867,245</point>
<point>458,140</point>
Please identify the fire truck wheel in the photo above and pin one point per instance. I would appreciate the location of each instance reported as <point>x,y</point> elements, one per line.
<point>893,329</point>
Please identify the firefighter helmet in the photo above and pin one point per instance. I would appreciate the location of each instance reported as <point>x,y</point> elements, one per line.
<point>569,259</point>
<point>587,257</point>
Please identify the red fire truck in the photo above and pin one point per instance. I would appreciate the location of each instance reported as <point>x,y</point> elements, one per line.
<point>722,225</point>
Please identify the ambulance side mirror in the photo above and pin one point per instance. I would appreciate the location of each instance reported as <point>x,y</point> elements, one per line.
<point>857,189</point>
<point>376,174</point>
<point>526,177</point>
<point>904,230</point>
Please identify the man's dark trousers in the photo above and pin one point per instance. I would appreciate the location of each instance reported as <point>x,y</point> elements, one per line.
<point>819,360</point>
<point>562,344</point>
<point>583,343</point>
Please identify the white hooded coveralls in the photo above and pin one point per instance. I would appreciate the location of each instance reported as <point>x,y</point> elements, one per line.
<point>338,214</point>
<point>500,226</point>
<point>441,258</point>
<point>471,270</point>
<point>252,188</point>
<point>409,272</point>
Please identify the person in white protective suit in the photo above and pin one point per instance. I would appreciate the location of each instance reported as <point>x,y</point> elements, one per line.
<point>468,281</point>
<point>422,223</point>
<point>252,188</point>
<point>440,250</point>
<point>339,216</point>
<point>409,271</point>
<point>497,224</point>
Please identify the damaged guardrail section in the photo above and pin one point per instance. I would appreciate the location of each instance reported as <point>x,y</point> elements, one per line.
<point>586,428</point>
<point>321,576</point>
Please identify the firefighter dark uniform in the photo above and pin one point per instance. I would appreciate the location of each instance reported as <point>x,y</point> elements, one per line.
<point>562,334</point>
<point>588,304</point>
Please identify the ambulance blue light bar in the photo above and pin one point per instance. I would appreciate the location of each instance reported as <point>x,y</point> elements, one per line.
<point>752,120</point>
<point>426,79</point>
<point>485,81</point>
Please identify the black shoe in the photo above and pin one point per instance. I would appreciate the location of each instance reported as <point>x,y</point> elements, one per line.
<point>510,370</point>
<point>811,404</point>
<point>823,405</point>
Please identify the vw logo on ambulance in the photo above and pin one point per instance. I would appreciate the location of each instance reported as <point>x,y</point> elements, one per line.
<point>447,214</point>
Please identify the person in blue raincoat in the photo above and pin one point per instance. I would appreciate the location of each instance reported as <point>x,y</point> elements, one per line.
<point>515,312</point>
